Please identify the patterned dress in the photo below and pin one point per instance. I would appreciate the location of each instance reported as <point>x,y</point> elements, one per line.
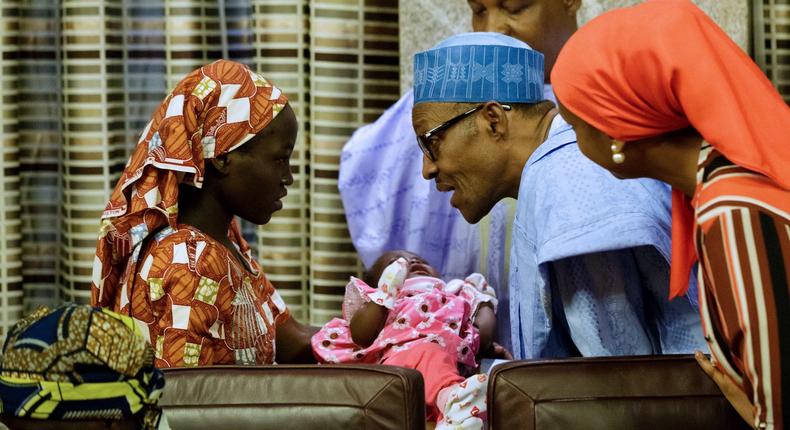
<point>743,243</point>
<point>198,304</point>
<point>427,310</point>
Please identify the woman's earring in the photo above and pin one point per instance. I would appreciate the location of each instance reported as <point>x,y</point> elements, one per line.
<point>617,156</point>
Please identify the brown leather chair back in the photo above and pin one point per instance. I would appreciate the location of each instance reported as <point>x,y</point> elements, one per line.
<point>343,397</point>
<point>656,392</point>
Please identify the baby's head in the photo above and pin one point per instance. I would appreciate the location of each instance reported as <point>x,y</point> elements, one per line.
<point>417,266</point>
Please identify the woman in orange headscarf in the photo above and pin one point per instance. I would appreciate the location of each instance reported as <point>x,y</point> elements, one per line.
<point>658,90</point>
<point>170,253</point>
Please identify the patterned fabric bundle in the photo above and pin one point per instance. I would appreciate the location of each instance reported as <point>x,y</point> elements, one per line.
<point>211,112</point>
<point>79,363</point>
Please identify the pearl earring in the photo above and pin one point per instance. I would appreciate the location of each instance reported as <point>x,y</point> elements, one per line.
<point>617,156</point>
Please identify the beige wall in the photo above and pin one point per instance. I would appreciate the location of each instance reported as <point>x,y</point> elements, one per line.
<point>425,22</point>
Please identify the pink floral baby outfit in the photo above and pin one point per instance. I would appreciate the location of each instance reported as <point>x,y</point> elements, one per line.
<point>429,328</point>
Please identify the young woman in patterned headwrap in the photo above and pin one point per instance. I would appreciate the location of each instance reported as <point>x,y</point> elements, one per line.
<point>659,90</point>
<point>170,253</point>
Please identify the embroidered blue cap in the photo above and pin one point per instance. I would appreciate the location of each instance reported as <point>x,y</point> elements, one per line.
<point>479,67</point>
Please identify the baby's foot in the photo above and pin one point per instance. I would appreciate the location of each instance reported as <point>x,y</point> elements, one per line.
<point>463,405</point>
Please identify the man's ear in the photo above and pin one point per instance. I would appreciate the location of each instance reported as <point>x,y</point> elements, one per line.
<point>572,6</point>
<point>496,119</point>
<point>221,164</point>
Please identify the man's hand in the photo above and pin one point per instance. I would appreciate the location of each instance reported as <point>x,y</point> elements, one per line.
<point>732,392</point>
<point>485,321</point>
<point>499,352</point>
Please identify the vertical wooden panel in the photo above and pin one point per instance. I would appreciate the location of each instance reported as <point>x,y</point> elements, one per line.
<point>354,77</point>
<point>280,54</point>
<point>772,41</point>
<point>94,131</point>
<point>10,228</point>
<point>39,144</point>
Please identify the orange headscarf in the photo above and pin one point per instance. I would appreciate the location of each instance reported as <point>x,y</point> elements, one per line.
<point>212,111</point>
<point>664,65</point>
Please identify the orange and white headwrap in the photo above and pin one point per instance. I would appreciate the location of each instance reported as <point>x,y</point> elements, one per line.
<point>212,111</point>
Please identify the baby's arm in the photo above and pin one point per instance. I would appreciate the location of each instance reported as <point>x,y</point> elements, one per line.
<point>369,320</point>
<point>483,300</point>
<point>485,321</point>
<point>367,323</point>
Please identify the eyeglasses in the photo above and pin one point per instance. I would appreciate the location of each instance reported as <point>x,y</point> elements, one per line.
<point>424,140</point>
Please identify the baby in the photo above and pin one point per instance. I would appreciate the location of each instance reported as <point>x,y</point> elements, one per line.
<point>416,320</point>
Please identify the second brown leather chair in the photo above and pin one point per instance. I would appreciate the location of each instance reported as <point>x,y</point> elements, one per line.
<point>293,397</point>
<point>622,393</point>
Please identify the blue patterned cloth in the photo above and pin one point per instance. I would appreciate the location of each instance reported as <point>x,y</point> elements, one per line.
<point>478,67</point>
<point>589,271</point>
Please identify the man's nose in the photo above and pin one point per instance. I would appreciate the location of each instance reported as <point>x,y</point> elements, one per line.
<point>429,169</point>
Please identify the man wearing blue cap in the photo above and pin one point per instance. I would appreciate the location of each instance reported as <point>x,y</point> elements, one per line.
<point>388,206</point>
<point>589,268</point>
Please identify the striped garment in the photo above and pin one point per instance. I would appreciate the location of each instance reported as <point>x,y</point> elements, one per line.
<point>743,243</point>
